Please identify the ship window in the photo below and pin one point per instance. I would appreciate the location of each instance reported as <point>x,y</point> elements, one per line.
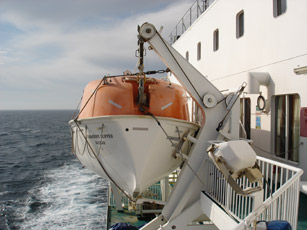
<point>245,118</point>
<point>240,24</point>
<point>198,51</point>
<point>187,55</point>
<point>279,7</point>
<point>287,127</point>
<point>216,40</point>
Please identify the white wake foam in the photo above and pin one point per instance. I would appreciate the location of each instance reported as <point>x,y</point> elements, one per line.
<point>71,198</point>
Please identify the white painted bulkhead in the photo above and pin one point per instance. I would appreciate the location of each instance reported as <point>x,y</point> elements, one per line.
<point>270,45</point>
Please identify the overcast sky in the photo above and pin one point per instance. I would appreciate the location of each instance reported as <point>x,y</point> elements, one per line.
<point>50,49</point>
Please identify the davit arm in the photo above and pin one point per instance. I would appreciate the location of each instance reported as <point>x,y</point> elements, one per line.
<point>191,79</point>
<point>185,195</point>
<point>188,188</point>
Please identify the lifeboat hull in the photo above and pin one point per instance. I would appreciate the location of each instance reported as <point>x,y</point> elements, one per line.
<point>133,151</point>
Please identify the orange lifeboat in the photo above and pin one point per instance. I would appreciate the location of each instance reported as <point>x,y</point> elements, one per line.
<point>128,128</point>
<point>119,96</point>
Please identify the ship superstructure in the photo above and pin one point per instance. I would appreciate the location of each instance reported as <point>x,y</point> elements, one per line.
<point>244,65</point>
<point>263,44</point>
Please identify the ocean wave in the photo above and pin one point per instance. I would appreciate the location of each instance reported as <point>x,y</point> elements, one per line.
<point>3,220</point>
<point>40,144</point>
<point>21,130</point>
<point>37,207</point>
<point>3,193</point>
<point>71,196</point>
<point>35,187</point>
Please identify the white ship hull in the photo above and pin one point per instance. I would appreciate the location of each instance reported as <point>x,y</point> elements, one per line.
<point>132,151</point>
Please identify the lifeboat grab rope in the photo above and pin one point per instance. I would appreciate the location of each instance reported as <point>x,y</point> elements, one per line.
<point>100,163</point>
<point>105,78</point>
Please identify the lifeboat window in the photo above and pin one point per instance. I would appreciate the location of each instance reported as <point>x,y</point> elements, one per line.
<point>287,127</point>
<point>198,51</point>
<point>245,118</point>
<point>216,40</point>
<point>279,7</point>
<point>187,55</point>
<point>240,24</point>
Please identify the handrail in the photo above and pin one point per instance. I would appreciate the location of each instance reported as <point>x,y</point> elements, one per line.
<point>279,164</point>
<point>255,214</point>
<point>196,9</point>
<point>292,183</point>
<point>280,193</point>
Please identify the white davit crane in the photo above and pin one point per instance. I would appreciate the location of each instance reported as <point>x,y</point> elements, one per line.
<point>184,205</point>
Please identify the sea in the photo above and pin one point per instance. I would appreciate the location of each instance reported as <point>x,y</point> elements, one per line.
<point>42,184</point>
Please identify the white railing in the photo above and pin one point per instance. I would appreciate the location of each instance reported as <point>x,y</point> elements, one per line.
<point>196,9</point>
<point>284,186</point>
<point>280,193</point>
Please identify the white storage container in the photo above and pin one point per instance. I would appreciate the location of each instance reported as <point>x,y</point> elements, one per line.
<point>237,154</point>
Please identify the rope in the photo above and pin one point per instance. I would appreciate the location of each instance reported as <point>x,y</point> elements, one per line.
<point>183,159</point>
<point>78,106</point>
<point>237,95</point>
<point>101,165</point>
<point>274,153</point>
<point>195,174</point>
<point>200,98</point>
<point>221,100</point>
<point>89,99</point>
<point>158,122</point>
<point>104,79</point>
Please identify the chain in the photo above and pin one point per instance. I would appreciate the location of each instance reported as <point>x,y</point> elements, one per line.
<point>150,72</point>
